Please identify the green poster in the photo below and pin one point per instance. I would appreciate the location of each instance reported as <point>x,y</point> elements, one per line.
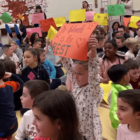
<point>116,10</point>
<point>6,18</point>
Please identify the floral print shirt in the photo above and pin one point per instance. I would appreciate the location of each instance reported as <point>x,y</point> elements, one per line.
<point>87,99</point>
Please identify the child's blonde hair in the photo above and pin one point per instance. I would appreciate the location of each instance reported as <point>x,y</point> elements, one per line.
<point>131,42</point>
<point>13,42</point>
<point>83,63</point>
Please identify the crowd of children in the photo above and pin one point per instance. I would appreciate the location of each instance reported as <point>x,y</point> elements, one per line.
<point>29,67</point>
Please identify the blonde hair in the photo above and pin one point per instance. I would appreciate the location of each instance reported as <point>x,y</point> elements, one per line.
<point>132,42</point>
<point>83,63</point>
<point>13,42</point>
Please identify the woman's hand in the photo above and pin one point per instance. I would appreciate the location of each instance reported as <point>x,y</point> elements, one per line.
<point>7,75</point>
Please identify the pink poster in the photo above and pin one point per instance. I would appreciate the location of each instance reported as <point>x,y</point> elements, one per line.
<point>33,30</point>
<point>89,15</point>
<point>37,17</point>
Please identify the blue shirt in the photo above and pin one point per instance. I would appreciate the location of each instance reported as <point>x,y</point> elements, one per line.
<point>50,69</point>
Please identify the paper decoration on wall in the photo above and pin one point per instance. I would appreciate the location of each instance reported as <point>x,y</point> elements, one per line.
<point>51,33</point>
<point>71,41</point>
<point>45,24</point>
<point>77,15</point>
<point>133,21</point>
<point>6,18</point>
<point>22,7</point>
<point>126,21</point>
<point>32,30</point>
<point>59,21</point>
<point>116,10</point>
<point>102,19</point>
<point>37,17</point>
<point>20,16</point>
<point>89,15</point>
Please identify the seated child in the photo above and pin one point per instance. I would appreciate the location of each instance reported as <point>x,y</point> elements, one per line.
<point>8,53</point>
<point>119,75</point>
<point>8,120</point>
<point>37,43</point>
<point>31,90</point>
<point>128,112</point>
<point>54,83</point>
<point>14,34</point>
<point>133,68</point>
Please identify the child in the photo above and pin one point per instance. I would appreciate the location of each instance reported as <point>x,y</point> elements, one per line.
<point>86,91</point>
<point>133,68</point>
<point>131,44</point>
<point>138,36</point>
<point>31,90</point>
<point>8,120</point>
<point>17,51</point>
<point>118,74</point>
<point>56,116</point>
<point>33,37</point>
<point>8,53</point>
<point>14,34</point>
<point>34,69</point>
<point>54,83</point>
<point>37,43</point>
<point>128,112</point>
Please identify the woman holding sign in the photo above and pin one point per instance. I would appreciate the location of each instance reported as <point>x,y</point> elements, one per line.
<point>86,6</point>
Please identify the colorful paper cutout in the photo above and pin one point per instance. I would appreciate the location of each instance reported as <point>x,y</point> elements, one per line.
<point>71,41</point>
<point>45,24</point>
<point>89,15</point>
<point>116,10</point>
<point>6,18</point>
<point>51,33</point>
<point>133,21</point>
<point>102,19</point>
<point>59,21</point>
<point>126,21</point>
<point>35,18</point>
<point>77,15</point>
<point>33,30</point>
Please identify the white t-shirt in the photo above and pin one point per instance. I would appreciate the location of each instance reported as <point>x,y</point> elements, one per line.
<point>125,134</point>
<point>128,54</point>
<point>26,129</point>
<point>138,38</point>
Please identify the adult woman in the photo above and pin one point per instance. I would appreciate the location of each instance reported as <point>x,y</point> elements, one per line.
<point>110,58</point>
<point>22,28</point>
<point>115,26</point>
<point>39,10</point>
<point>86,6</point>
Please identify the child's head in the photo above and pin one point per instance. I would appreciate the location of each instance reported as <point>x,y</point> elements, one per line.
<point>31,90</point>
<point>2,70</point>
<point>81,72</point>
<point>118,74</point>
<point>13,32</point>
<point>31,57</point>
<point>56,115</point>
<point>14,45</point>
<point>133,68</point>
<point>42,54</point>
<point>37,43</point>
<point>115,25</point>
<point>128,103</point>
<point>120,41</point>
<point>7,49</point>
<point>115,34</point>
<point>33,37</point>
<point>38,9</point>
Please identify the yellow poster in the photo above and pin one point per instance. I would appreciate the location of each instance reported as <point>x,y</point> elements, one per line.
<point>77,15</point>
<point>133,21</point>
<point>102,19</point>
<point>59,21</point>
<point>51,33</point>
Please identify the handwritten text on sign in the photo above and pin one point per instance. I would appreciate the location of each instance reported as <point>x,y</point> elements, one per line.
<point>37,17</point>
<point>72,40</point>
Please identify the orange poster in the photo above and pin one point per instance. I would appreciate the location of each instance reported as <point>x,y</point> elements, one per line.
<point>45,24</point>
<point>71,41</point>
<point>126,21</point>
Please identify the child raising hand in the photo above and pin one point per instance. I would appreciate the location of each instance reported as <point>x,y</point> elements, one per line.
<point>86,91</point>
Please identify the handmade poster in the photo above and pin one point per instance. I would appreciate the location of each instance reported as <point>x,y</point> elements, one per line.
<point>106,88</point>
<point>77,15</point>
<point>116,10</point>
<point>133,21</point>
<point>45,24</point>
<point>89,15</point>
<point>102,19</point>
<point>32,30</point>
<point>51,33</point>
<point>35,18</point>
<point>59,21</point>
<point>126,21</point>
<point>71,41</point>
<point>6,18</point>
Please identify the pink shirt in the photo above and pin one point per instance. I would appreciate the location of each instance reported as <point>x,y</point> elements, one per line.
<point>125,134</point>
